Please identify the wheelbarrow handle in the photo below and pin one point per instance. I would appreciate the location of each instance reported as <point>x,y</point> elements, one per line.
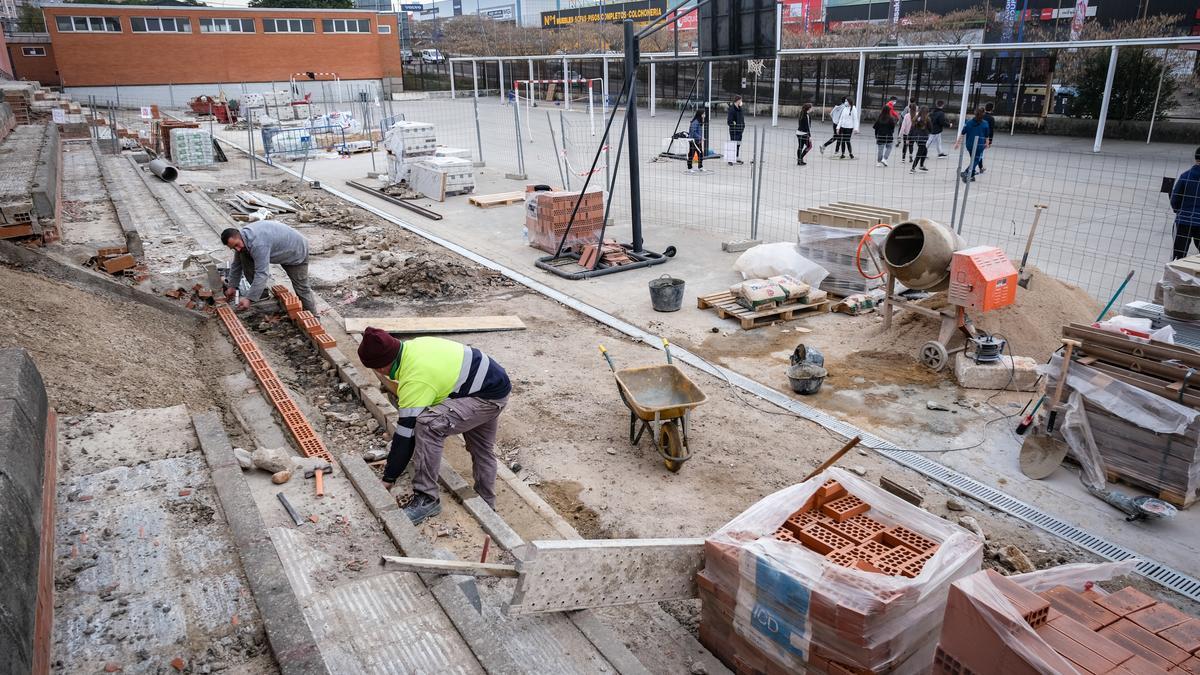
<point>608,358</point>
<point>667,349</point>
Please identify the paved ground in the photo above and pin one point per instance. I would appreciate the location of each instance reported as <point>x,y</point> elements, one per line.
<point>496,233</point>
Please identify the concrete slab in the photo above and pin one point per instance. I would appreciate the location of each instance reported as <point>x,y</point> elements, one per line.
<point>145,565</point>
<point>88,216</point>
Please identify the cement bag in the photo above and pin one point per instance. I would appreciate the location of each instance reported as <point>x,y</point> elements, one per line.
<point>769,260</point>
<point>754,293</point>
<point>787,606</point>
<point>795,288</point>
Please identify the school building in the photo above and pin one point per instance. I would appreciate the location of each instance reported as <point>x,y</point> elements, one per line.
<point>192,49</point>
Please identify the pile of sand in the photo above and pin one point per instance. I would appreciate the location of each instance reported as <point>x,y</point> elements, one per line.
<point>427,277</point>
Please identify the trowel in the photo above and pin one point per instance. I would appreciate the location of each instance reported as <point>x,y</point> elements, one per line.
<point>1023,275</point>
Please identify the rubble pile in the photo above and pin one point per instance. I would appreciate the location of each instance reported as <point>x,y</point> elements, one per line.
<point>423,276</point>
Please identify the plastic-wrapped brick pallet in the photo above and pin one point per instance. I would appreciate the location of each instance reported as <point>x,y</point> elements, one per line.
<point>410,139</point>
<point>460,173</point>
<point>191,148</point>
<point>835,248</point>
<point>779,607</point>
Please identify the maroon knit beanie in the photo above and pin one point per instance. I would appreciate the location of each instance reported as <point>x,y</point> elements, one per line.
<point>378,348</point>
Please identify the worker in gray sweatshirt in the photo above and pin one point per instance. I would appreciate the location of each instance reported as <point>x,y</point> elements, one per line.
<point>258,246</point>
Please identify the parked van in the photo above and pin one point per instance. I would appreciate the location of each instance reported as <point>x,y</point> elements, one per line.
<point>432,56</point>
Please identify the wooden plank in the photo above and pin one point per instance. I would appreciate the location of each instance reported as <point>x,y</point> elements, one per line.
<point>436,324</point>
<point>439,566</point>
<point>497,199</point>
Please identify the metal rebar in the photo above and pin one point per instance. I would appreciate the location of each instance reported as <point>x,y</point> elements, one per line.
<point>478,132</point>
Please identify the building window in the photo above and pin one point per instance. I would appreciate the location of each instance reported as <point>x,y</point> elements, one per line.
<point>88,24</point>
<point>345,26</point>
<point>384,30</point>
<point>33,51</point>
<point>226,25</point>
<point>155,24</point>
<point>287,25</point>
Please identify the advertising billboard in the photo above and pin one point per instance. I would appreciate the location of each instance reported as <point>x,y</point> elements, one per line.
<point>647,10</point>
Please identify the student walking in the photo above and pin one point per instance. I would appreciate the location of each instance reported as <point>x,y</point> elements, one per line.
<point>937,123</point>
<point>847,124</point>
<point>736,121</point>
<point>918,135</point>
<point>991,120</point>
<point>975,134</point>
<point>906,125</point>
<point>696,142</point>
<point>804,142</point>
<point>834,115</point>
<point>1185,201</point>
<point>885,135</point>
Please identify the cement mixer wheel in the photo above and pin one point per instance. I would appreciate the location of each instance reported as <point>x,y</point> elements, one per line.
<point>933,356</point>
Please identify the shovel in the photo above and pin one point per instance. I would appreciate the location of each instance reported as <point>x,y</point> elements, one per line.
<point>1041,454</point>
<point>1023,276</point>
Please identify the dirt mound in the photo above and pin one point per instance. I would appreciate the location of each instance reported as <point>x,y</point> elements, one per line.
<point>425,276</point>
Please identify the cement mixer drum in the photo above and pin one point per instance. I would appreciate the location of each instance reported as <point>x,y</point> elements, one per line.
<point>918,253</point>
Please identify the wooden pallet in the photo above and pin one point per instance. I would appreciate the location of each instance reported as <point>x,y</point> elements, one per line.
<point>727,307</point>
<point>497,199</point>
<point>1169,496</point>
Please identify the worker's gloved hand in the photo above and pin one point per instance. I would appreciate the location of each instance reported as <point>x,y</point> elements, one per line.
<point>244,303</point>
<point>229,293</point>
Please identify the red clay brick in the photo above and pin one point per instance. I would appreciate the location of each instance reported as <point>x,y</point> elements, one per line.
<point>1071,604</point>
<point>822,540</point>
<point>1158,617</point>
<point>324,341</point>
<point>871,550</point>
<point>1125,601</point>
<point>1139,666</point>
<point>784,534</point>
<point>1192,665</point>
<point>844,508</point>
<point>1078,654</point>
<point>1032,607</point>
<point>843,557</point>
<point>1099,644</point>
<point>867,523</point>
<point>902,536</point>
<point>829,491</point>
<point>798,521</point>
<point>893,561</point>
<point>913,567</point>
<point>1186,635</point>
<point>1144,643</point>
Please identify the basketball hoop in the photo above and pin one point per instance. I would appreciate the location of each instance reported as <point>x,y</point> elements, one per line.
<point>756,66</point>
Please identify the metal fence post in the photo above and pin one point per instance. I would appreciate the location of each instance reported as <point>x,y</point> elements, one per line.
<point>500,72</point>
<point>860,85</point>
<point>775,96</point>
<point>562,126</point>
<point>250,142</point>
<point>475,79</point>
<point>1154,113</point>
<point>452,92</point>
<point>962,215</point>
<point>957,181</point>
<point>966,93</point>
<point>754,169</point>
<point>604,88</point>
<point>566,84</point>
<point>653,86</point>
<point>520,175</point>
<point>478,133</point>
<point>1108,85</point>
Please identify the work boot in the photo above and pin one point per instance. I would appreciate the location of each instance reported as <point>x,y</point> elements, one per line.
<point>422,507</point>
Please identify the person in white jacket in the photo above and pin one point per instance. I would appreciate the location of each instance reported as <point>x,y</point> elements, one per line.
<point>834,115</point>
<point>906,124</point>
<point>847,124</point>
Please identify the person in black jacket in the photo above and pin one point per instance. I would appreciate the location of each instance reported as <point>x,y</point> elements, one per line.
<point>804,142</point>
<point>737,124</point>
<point>991,120</point>
<point>937,123</point>
<point>918,135</point>
<point>885,135</point>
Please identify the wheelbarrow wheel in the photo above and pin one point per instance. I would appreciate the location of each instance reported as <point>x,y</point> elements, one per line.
<point>670,441</point>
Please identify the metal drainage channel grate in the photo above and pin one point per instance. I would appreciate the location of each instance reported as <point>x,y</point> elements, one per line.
<point>1167,577</point>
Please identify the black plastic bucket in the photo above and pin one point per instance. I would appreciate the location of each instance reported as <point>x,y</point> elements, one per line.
<point>806,378</point>
<point>666,293</point>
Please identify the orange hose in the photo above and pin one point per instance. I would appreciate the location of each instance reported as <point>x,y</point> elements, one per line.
<point>858,252</point>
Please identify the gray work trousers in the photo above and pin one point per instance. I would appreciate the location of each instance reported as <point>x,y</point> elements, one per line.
<point>297,273</point>
<point>477,419</point>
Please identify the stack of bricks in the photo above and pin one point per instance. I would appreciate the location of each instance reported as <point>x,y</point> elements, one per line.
<point>853,619</point>
<point>18,101</point>
<point>115,259</point>
<point>302,432</point>
<point>547,214</point>
<point>1123,633</point>
<point>304,319</point>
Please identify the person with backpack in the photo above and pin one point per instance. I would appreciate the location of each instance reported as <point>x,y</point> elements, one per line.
<point>736,121</point>
<point>885,135</point>
<point>833,118</point>
<point>938,123</point>
<point>804,142</point>
<point>918,135</point>
<point>975,135</point>
<point>847,124</point>
<point>696,142</point>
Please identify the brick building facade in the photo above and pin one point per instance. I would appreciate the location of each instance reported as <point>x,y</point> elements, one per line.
<point>100,45</point>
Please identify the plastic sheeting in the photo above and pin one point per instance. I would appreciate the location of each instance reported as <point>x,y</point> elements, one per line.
<point>1145,409</point>
<point>791,600</point>
<point>769,260</point>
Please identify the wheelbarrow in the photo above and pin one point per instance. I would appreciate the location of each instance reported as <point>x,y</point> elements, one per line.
<point>659,398</point>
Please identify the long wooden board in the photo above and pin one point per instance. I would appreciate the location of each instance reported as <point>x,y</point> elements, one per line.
<point>436,324</point>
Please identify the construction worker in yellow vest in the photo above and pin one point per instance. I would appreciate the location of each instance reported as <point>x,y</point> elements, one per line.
<point>442,388</point>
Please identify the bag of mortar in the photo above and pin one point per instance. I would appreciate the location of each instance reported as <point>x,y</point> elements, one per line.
<point>795,288</point>
<point>754,293</point>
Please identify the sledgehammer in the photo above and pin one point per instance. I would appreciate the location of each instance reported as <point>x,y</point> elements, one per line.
<point>319,473</point>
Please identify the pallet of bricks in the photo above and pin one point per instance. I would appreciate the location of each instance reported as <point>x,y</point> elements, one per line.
<point>440,177</point>
<point>833,575</point>
<point>830,235</point>
<point>18,96</point>
<point>191,148</point>
<point>548,213</point>
<point>1142,404</point>
<point>1058,621</point>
